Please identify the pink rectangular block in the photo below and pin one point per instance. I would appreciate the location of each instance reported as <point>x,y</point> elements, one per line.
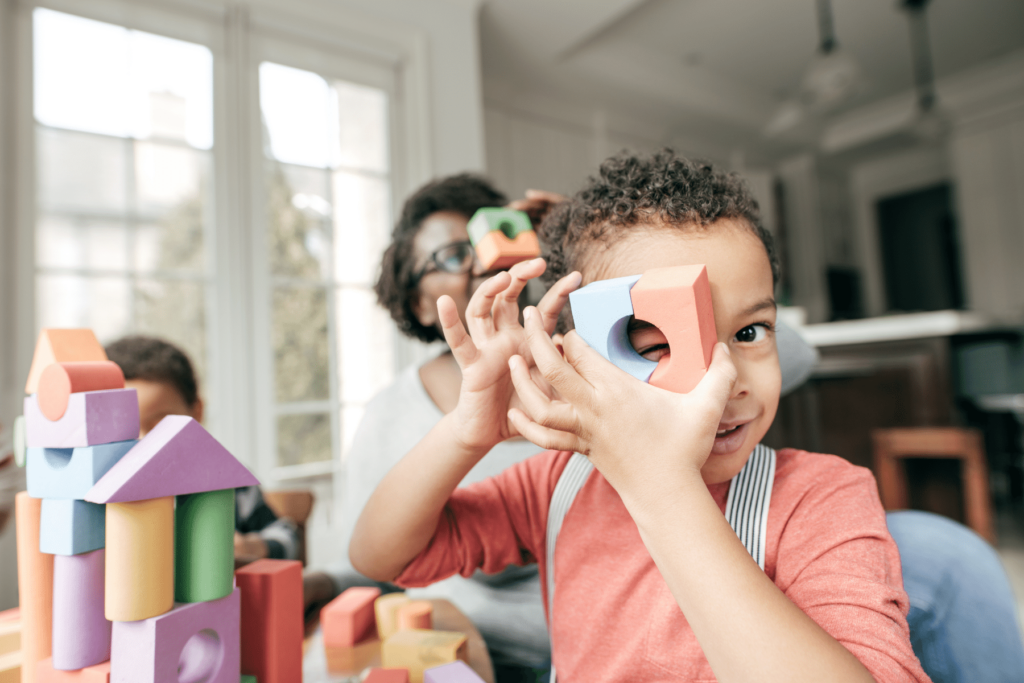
<point>349,618</point>
<point>91,418</point>
<point>197,641</point>
<point>378,675</point>
<point>456,672</point>
<point>81,634</point>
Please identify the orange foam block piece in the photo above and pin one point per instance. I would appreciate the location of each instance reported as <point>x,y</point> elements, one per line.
<point>35,586</point>
<point>495,250</point>
<point>380,675</point>
<point>98,673</point>
<point>62,346</point>
<point>418,650</point>
<point>415,614</point>
<point>677,301</point>
<point>59,380</point>
<point>351,661</point>
<point>385,609</point>
<point>272,620</point>
<point>139,581</point>
<point>348,619</point>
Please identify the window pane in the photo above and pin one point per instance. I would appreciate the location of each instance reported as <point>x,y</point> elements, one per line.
<point>363,126</point>
<point>81,244</point>
<point>303,438</point>
<point>98,77</point>
<point>365,336</point>
<point>299,227</point>
<point>101,303</point>
<point>301,357</point>
<point>167,176</point>
<point>174,310</point>
<point>361,217</point>
<point>299,115</point>
<point>81,172</point>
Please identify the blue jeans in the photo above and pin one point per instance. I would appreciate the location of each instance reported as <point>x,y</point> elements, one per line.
<point>963,617</point>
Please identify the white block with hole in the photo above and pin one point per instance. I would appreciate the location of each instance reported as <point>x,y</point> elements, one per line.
<point>69,473</point>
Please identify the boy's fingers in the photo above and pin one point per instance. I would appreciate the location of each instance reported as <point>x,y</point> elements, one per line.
<point>480,305</point>
<point>550,362</point>
<point>521,273</point>
<point>459,341</point>
<point>553,301</point>
<point>716,386</point>
<point>587,362</point>
<point>551,439</point>
<point>537,404</point>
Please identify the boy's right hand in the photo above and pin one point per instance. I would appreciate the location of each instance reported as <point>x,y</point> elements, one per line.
<point>480,419</point>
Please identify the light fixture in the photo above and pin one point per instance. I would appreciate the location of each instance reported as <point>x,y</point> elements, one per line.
<point>930,121</point>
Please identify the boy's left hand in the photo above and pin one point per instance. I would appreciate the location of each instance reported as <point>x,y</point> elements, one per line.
<point>638,436</point>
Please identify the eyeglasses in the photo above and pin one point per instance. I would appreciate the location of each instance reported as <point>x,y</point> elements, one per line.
<point>455,258</point>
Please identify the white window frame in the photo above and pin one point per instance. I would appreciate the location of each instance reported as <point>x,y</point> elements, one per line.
<point>239,383</point>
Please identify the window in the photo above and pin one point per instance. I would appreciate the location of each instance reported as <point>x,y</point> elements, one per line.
<point>124,138</point>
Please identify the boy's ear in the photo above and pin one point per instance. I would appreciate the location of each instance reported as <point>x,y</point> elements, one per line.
<point>196,412</point>
<point>558,339</point>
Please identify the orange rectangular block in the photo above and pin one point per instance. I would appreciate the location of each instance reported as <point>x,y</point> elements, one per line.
<point>272,620</point>
<point>418,650</point>
<point>62,346</point>
<point>98,673</point>
<point>351,661</point>
<point>677,301</point>
<point>35,587</point>
<point>348,618</point>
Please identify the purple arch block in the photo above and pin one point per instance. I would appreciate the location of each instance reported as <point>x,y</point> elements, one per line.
<point>81,634</point>
<point>92,418</point>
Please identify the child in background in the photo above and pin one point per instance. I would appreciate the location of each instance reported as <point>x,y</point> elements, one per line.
<point>653,583</point>
<point>162,376</point>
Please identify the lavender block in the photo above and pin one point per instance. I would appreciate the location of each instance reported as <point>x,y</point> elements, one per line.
<point>92,418</point>
<point>455,672</point>
<point>81,634</point>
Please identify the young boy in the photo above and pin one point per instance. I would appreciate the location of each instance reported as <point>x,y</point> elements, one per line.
<point>162,376</point>
<point>652,581</point>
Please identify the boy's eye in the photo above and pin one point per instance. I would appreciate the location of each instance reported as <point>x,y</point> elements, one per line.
<point>752,333</point>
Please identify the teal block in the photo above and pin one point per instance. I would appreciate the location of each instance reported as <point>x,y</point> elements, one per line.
<point>71,527</point>
<point>71,472</point>
<point>509,221</point>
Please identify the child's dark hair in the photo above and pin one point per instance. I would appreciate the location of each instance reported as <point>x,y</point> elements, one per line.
<point>632,190</point>
<point>155,360</point>
<point>396,287</point>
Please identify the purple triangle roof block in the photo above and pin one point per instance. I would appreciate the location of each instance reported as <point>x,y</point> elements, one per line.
<point>176,458</point>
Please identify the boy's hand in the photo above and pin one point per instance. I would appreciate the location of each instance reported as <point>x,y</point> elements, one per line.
<point>480,418</point>
<point>638,436</point>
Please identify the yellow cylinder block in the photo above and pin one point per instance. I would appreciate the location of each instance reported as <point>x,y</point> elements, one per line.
<point>140,559</point>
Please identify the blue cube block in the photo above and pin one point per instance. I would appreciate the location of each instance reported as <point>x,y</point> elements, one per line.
<point>71,472</point>
<point>601,312</point>
<point>71,527</point>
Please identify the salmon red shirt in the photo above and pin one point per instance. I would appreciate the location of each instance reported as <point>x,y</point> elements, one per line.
<point>828,550</point>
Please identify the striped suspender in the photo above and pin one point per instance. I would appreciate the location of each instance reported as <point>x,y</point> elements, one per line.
<point>746,508</point>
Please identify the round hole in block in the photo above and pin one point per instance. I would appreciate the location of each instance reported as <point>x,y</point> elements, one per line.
<point>507,228</point>
<point>642,334</point>
<point>58,458</point>
<point>200,658</point>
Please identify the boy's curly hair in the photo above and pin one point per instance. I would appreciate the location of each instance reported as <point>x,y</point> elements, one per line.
<point>155,360</point>
<point>396,291</point>
<point>632,190</point>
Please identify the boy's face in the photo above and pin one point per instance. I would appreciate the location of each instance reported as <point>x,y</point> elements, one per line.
<point>157,400</point>
<point>742,293</point>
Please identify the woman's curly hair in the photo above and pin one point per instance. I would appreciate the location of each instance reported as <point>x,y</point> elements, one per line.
<point>396,290</point>
<point>632,190</point>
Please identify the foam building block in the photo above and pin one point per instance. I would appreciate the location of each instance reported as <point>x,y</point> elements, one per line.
<point>380,675</point>
<point>20,449</point>
<point>10,668</point>
<point>272,620</point>
<point>456,672</point>
<point>81,634</point>
<point>415,614</point>
<point>600,312</point>
<point>385,609</point>
<point>35,586</point>
<point>349,618</point>
<point>10,632</point>
<point>177,457</point>
<point>351,661</point>
<point>59,380</point>
<point>62,346</point>
<point>98,673</point>
<point>418,650</point>
<point>71,527</point>
<point>139,580</point>
<point>677,301</point>
<point>70,472</point>
<point>92,418</point>
<point>194,642</point>
<point>502,237</point>
<point>204,550</point>
<point>247,679</point>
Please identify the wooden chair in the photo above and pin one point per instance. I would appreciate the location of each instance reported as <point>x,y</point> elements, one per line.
<point>296,505</point>
<point>965,445</point>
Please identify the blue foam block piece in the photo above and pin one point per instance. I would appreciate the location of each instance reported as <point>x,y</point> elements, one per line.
<point>71,472</point>
<point>71,527</point>
<point>601,313</point>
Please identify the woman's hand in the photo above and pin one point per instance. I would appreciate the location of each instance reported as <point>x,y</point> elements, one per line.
<point>480,420</point>
<point>536,204</point>
<point>640,437</point>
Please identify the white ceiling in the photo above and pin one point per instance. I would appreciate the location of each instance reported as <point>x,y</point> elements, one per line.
<point>720,68</point>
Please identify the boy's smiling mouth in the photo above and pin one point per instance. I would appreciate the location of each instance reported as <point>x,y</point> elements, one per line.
<point>729,438</point>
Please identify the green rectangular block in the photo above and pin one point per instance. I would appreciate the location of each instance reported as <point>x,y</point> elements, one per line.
<point>247,679</point>
<point>204,546</point>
